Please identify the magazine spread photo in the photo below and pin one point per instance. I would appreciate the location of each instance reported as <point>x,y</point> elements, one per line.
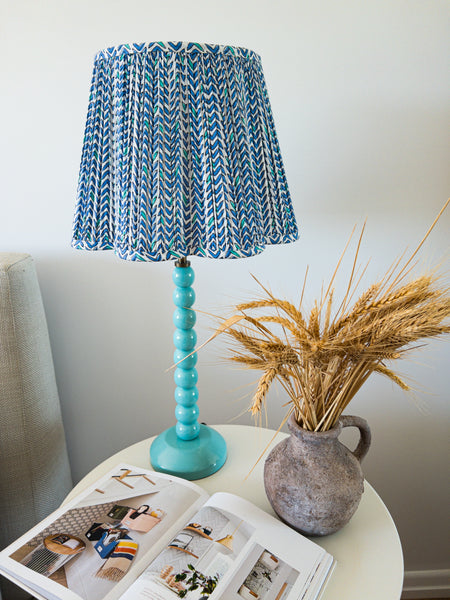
<point>138,535</point>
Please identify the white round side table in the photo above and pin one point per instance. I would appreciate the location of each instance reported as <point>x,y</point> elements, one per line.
<point>367,550</point>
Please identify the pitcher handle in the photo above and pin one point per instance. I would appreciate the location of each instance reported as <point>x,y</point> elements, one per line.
<point>365,436</point>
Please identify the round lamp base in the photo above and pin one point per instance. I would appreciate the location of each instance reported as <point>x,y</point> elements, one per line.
<point>190,459</point>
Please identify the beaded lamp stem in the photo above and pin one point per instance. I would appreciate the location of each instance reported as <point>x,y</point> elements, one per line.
<point>185,339</point>
<point>189,449</point>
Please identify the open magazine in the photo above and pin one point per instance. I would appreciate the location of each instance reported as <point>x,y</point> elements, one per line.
<point>140,535</point>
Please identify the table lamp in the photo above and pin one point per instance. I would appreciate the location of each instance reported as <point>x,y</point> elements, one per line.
<point>180,158</point>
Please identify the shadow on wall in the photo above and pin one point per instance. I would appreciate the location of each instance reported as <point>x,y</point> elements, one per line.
<point>110,326</point>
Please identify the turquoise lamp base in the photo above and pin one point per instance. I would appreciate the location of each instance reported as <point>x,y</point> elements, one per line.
<point>190,459</point>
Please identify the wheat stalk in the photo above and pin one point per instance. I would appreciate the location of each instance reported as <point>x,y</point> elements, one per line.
<point>325,357</point>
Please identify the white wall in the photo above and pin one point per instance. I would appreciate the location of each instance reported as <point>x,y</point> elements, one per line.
<point>360,96</point>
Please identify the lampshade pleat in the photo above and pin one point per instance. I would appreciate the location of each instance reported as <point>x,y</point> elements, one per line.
<point>180,156</point>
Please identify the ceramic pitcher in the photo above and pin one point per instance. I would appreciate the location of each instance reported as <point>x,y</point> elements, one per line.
<point>313,482</point>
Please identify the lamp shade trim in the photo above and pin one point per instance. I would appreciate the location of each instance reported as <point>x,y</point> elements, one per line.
<point>174,47</point>
<point>180,156</point>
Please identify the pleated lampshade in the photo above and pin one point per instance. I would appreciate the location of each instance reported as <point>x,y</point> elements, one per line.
<point>180,156</point>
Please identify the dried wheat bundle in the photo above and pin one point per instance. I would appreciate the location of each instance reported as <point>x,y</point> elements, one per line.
<point>323,358</point>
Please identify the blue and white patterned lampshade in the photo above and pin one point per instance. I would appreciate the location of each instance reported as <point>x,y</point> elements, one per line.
<point>180,156</point>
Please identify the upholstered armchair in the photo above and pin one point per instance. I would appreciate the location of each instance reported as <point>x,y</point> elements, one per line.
<point>34,466</point>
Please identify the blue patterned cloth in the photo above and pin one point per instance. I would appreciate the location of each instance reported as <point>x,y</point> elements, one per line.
<point>180,156</point>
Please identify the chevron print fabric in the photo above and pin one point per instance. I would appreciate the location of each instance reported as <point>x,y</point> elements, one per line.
<point>180,156</point>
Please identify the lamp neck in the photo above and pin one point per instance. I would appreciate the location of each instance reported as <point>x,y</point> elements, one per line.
<point>182,262</point>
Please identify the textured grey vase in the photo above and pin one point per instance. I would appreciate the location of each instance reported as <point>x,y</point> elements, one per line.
<point>313,482</point>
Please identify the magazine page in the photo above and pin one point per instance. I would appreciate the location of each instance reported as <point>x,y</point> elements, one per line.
<point>277,562</point>
<point>232,550</point>
<point>95,546</point>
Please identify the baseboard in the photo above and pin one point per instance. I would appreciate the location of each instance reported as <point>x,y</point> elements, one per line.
<point>426,584</point>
